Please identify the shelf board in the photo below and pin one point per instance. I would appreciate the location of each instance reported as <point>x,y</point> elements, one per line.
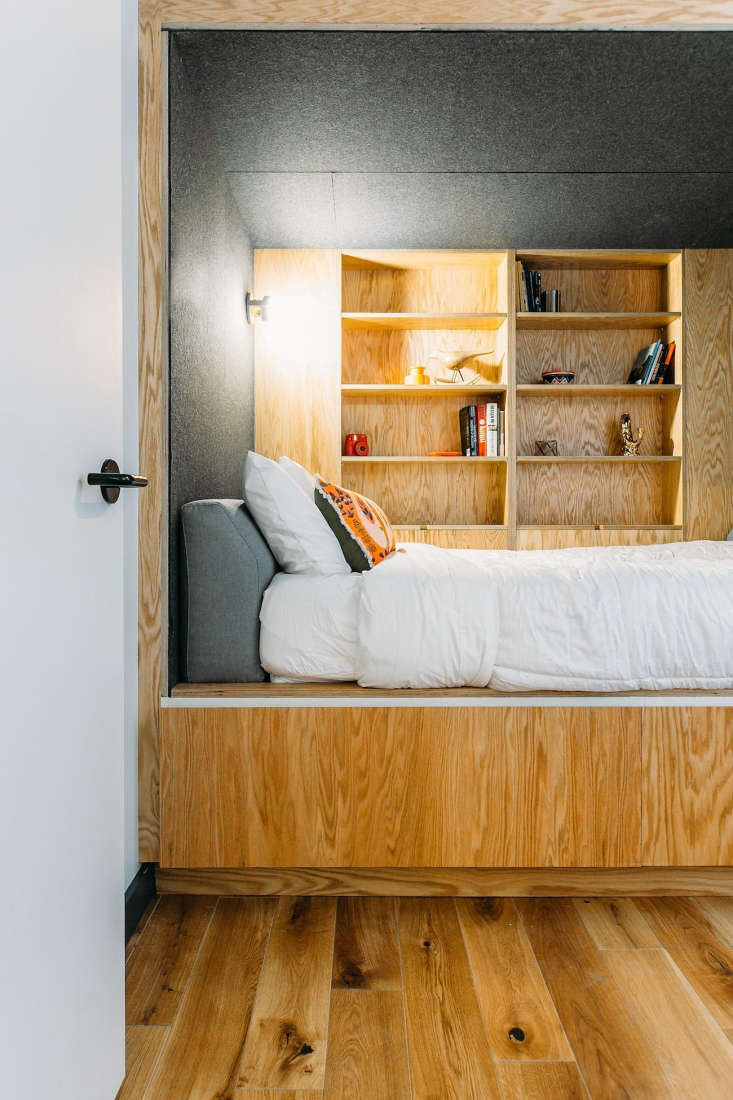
<point>416,458</point>
<point>578,390</point>
<point>599,527</point>
<point>450,526</point>
<point>591,321</point>
<point>593,259</point>
<point>433,390</point>
<point>630,460</point>
<point>423,320</point>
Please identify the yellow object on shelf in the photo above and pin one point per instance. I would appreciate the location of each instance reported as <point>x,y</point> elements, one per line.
<point>417,376</point>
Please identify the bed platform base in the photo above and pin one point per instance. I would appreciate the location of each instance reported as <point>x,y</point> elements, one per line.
<point>446,792</point>
<point>452,881</point>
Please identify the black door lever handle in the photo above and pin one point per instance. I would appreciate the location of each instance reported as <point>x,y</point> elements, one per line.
<point>110,480</point>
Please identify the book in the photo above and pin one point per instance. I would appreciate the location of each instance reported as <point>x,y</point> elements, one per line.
<point>642,362</point>
<point>666,373</point>
<point>501,439</point>
<point>481,415</point>
<point>473,429</point>
<point>537,290</point>
<point>465,431</point>
<point>651,363</point>
<point>658,366</point>
<point>527,292</point>
<point>492,429</point>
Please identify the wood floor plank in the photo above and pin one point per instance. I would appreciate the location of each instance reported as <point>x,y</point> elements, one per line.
<point>286,1045</point>
<point>274,1094</point>
<point>610,1049</point>
<point>615,923</point>
<point>202,1056</point>
<point>143,1046</point>
<point>449,1052</point>
<point>160,967</point>
<point>367,1047</point>
<point>702,955</point>
<point>719,911</point>
<point>141,926</point>
<point>366,954</point>
<point>540,1081</point>
<point>518,1012</point>
<point>696,1057</point>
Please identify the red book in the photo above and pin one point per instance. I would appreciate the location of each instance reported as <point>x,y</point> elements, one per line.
<point>666,373</point>
<point>481,413</point>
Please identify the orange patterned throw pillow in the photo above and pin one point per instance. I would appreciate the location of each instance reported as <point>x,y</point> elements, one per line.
<point>361,527</point>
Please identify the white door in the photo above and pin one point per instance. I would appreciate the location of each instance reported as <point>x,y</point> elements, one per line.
<point>61,604</point>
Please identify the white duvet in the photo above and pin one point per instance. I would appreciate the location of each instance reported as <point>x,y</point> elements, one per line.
<point>610,619</point>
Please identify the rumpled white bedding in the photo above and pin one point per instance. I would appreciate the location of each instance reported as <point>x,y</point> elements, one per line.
<point>590,619</point>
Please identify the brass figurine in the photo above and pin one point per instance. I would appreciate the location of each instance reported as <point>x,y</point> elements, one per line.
<point>631,445</point>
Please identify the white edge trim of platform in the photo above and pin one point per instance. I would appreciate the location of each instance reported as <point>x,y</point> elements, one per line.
<point>190,702</point>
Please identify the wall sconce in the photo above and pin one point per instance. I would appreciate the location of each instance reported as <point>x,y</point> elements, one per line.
<point>256,308</point>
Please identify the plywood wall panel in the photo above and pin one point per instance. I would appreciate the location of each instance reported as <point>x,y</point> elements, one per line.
<point>687,786</point>
<point>297,358</point>
<point>709,392</point>
<point>415,787</point>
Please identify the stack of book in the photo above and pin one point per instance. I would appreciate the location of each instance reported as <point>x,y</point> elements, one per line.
<point>654,365</point>
<point>482,431</point>
<point>529,289</point>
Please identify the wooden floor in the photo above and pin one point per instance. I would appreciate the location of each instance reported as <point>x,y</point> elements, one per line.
<point>361,998</point>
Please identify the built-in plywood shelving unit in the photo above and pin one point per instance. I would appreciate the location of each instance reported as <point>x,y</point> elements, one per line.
<point>363,318</point>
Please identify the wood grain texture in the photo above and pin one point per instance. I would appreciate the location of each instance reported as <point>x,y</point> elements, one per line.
<point>417,282</point>
<point>709,392</point>
<point>160,968</point>
<point>366,953</point>
<point>452,881</point>
<point>603,357</point>
<point>286,1043</point>
<point>470,492</point>
<point>152,408</point>
<point>201,1058</point>
<point>591,425</point>
<point>449,1054</point>
<point>519,787</point>
<point>367,1047</point>
<point>383,356</point>
<point>297,367</point>
<point>615,923</point>
<point>509,984</point>
<point>598,289</point>
<point>687,787</point>
<point>558,538</point>
<point>395,425</point>
<point>695,1057</point>
<point>719,912</point>
<point>705,959</point>
<point>610,1048</point>
<point>592,321</point>
<point>457,538</point>
<point>472,13</point>
<point>611,494</point>
<point>540,1081</point>
<point>143,1046</point>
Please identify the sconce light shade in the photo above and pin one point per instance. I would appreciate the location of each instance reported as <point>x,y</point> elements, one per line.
<point>255,308</point>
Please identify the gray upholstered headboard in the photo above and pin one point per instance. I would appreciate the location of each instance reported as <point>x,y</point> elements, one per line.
<point>225,568</point>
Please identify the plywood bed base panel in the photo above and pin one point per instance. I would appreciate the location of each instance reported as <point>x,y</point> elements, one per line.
<point>451,881</point>
<point>447,786</point>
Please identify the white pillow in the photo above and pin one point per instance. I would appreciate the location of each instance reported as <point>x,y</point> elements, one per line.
<point>298,535</point>
<point>302,478</point>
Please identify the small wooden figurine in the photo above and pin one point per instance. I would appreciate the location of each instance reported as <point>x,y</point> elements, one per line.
<point>631,445</point>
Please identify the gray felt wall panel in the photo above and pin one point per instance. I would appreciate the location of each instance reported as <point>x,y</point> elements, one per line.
<point>211,380</point>
<point>468,101</point>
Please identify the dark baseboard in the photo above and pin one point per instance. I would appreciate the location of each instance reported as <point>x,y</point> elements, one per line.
<point>137,896</point>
